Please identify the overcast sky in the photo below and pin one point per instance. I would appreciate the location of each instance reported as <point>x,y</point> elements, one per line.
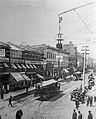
<point>36,22</point>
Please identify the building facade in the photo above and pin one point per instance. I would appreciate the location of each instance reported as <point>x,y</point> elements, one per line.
<point>18,67</point>
<point>55,59</point>
<point>72,50</point>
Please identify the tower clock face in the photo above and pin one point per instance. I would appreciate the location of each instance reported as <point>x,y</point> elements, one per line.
<point>59,45</point>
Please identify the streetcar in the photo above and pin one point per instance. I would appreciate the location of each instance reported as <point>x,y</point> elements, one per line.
<point>47,89</point>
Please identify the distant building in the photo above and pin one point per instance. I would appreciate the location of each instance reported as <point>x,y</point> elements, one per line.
<point>89,62</point>
<point>18,66</point>
<point>4,67</point>
<point>72,50</point>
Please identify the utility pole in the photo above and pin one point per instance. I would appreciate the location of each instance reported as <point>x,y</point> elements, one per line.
<point>84,65</point>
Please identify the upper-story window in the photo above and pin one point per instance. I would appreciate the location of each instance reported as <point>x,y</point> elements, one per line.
<point>2,52</point>
<point>51,56</point>
<point>47,54</point>
<point>15,54</point>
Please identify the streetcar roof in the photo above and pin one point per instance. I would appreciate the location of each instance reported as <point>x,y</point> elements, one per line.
<point>49,82</point>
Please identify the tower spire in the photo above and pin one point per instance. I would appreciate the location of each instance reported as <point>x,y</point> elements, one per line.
<point>59,35</point>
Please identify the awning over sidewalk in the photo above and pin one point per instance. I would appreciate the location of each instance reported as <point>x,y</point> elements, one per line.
<point>27,66</point>
<point>34,66</point>
<point>17,77</point>
<point>13,66</point>
<point>31,66</point>
<point>6,65</point>
<point>19,66</point>
<point>23,66</point>
<point>25,77</point>
<point>39,76</point>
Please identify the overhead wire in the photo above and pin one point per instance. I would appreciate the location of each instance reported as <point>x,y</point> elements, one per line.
<point>80,29</point>
<point>74,9</point>
<point>84,23</point>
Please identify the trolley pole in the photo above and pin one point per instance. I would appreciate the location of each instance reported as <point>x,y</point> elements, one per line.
<point>83,84</point>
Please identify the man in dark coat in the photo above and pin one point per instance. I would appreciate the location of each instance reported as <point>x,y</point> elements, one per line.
<point>10,101</point>
<point>79,115</point>
<point>0,116</point>
<point>90,116</point>
<point>74,115</point>
<point>77,104</point>
<point>19,114</point>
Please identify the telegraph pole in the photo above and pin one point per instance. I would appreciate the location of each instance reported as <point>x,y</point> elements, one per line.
<point>84,65</point>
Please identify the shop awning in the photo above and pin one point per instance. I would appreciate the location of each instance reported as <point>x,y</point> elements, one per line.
<point>39,76</point>
<point>14,66</point>
<point>23,66</point>
<point>6,65</point>
<point>27,66</point>
<point>17,77</point>
<point>34,66</point>
<point>25,77</point>
<point>19,66</point>
<point>31,66</point>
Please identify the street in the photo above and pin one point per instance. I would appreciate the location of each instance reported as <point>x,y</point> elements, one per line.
<point>57,107</point>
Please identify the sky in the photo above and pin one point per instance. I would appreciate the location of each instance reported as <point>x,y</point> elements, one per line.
<point>35,22</point>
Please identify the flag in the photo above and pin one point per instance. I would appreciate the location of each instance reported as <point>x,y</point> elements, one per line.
<point>60,19</point>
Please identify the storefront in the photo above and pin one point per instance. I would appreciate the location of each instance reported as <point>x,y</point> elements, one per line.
<point>4,74</point>
<point>16,81</point>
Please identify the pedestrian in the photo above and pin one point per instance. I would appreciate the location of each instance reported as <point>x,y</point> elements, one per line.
<point>88,100</point>
<point>79,115</point>
<point>90,116</point>
<point>74,115</point>
<point>19,114</point>
<point>0,116</point>
<point>77,104</point>
<point>91,100</point>
<point>10,101</point>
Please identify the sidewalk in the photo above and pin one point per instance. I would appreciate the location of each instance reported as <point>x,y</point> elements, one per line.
<point>22,92</point>
<point>84,109</point>
<point>17,93</point>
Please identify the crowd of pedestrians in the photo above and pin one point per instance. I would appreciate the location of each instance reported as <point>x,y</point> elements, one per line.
<point>79,115</point>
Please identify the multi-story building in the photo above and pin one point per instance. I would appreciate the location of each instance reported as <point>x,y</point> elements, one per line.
<point>72,50</point>
<point>4,66</point>
<point>17,66</point>
<point>54,58</point>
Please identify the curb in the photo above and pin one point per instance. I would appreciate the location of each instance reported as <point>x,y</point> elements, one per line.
<point>24,94</point>
<point>19,95</point>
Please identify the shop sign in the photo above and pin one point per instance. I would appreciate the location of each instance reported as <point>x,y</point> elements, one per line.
<point>34,62</point>
<point>2,52</point>
<point>17,61</point>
